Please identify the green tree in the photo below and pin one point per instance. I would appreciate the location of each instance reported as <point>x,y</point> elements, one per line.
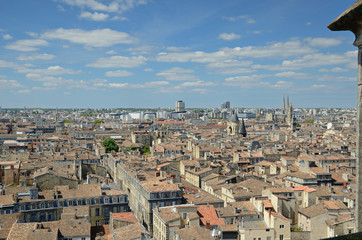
<point>110,145</point>
<point>98,121</point>
<point>66,121</point>
<point>309,121</point>
<point>145,150</point>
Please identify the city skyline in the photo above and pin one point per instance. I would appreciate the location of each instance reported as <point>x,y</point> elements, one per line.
<point>139,53</point>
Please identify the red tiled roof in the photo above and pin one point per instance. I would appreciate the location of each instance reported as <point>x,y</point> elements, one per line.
<point>208,215</point>
<point>124,216</point>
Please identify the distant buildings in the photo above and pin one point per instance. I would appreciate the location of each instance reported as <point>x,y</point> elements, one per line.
<point>225,104</point>
<point>180,106</point>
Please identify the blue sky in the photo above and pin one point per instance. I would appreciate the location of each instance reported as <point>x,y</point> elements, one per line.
<point>151,53</point>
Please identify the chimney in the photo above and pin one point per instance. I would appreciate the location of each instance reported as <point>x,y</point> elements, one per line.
<point>269,211</point>
<point>207,225</point>
<point>15,197</point>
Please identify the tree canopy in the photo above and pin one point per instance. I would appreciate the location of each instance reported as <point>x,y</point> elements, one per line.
<point>98,121</point>
<point>110,145</point>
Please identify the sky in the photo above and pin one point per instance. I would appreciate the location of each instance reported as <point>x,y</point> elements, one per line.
<point>152,53</point>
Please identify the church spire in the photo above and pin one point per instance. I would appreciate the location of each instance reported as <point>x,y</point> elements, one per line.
<point>56,115</point>
<point>283,104</point>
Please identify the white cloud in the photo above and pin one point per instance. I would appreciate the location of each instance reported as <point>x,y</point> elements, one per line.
<point>141,50</point>
<point>118,73</point>
<point>320,59</point>
<point>112,6</point>
<point>199,90</point>
<point>272,50</point>
<point>27,45</point>
<point>5,64</point>
<point>229,63</point>
<point>247,18</point>
<point>32,34</point>
<point>293,75</point>
<point>233,71</point>
<point>155,84</point>
<point>94,38</point>
<point>148,70</point>
<point>116,18</point>
<point>196,84</point>
<point>96,16</point>
<point>230,66</point>
<point>178,74</point>
<point>176,49</point>
<point>198,56</point>
<point>7,37</point>
<point>336,70</point>
<point>118,62</point>
<point>43,56</point>
<point>229,36</point>
<point>277,50</point>
<point>333,78</point>
<point>313,60</point>
<point>282,85</point>
<point>23,91</point>
<point>323,42</point>
<point>111,52</point>
<point>4,83</point>
<point>246,81</point>
<point>52,70</point>
<point>43,88</point>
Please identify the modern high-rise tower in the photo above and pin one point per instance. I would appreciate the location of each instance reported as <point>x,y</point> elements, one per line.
<point>180,106</point>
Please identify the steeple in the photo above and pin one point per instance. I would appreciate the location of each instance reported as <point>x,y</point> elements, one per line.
<point>234,117</point>
<point>56,115</point>
<point>233,124</point>
<point>242,130</point>
<point>283,104</point>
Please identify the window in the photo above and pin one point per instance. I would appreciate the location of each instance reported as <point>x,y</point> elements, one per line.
<point>70,203</point>
<point>281,226</point>
<point>97,223</point>
<point>106,200</point>
<point>281,237</point>
<point>79,202</point>
<point>184,215</point>
<point>300,194</point>
<point>97,212</point>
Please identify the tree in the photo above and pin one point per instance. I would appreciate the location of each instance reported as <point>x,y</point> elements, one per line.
<point>66,121</point>
<point>110,145</point>
<point>145,150</point>
<point>309,121</point>
<point>98,121</point>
